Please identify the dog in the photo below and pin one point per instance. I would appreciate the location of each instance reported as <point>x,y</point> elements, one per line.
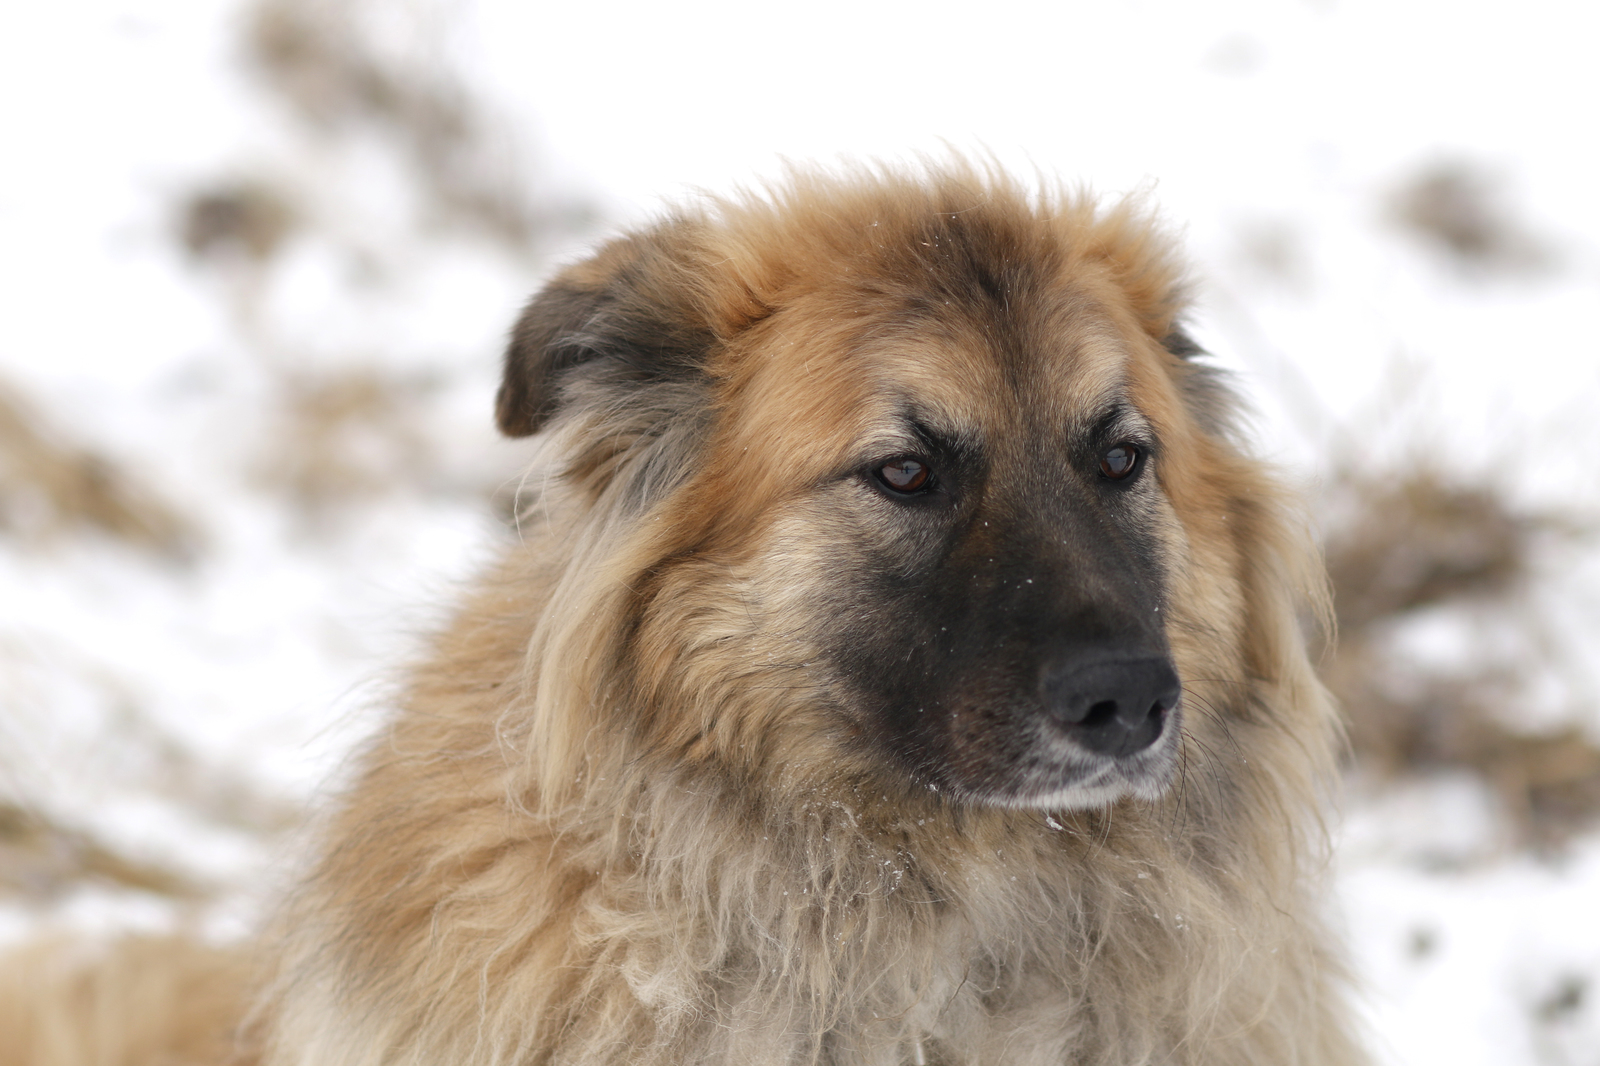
<point>901,661</point>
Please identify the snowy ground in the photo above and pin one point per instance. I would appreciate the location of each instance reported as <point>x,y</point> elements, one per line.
<point>132,681</point>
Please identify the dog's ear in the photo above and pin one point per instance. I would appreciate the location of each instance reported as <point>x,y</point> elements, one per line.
<point>626,314</point>
<point>1180,344</point>
<point>1205,387</point>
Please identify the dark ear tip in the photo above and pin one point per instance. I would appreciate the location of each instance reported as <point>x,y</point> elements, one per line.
<point>1180,344</point>
<point>514,414</point>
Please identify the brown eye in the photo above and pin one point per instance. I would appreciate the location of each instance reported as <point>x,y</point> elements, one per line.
<point>906,475</point>
<point>1119,460</point>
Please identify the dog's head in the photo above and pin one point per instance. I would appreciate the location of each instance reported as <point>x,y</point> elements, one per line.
<point>911,468</point>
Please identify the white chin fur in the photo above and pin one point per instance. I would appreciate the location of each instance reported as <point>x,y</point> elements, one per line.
<point>1100,780</point>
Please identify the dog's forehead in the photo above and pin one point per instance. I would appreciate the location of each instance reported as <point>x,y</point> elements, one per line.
<point>1003,374</point>
<point>979,384</point>
<point>1014,353</point>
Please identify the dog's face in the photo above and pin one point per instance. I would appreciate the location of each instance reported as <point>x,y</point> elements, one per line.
<point>922,498</point>
<point>998,551</point>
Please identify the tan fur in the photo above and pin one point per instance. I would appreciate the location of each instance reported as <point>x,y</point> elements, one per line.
<point>622,815</point>
<point>143,1001</point>
<point>617,822</point>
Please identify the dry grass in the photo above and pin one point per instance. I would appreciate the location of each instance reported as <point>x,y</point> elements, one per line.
<point>41,859</point>
<point>241,218</point>
<point>1461,210</point>
<point>50,485</point>
<point>324,60</point>
<point>53,758</point>
<point>343,438</point>
<point>1426,541</point>
<point>367,74</point>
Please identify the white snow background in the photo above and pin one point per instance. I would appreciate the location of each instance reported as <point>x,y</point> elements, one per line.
<point>1271,135</point>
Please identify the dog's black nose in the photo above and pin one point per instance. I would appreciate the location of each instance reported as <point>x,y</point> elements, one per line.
<point>1108,703</point>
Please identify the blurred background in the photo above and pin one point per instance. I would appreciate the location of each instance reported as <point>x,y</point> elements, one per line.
<point>258,258</point>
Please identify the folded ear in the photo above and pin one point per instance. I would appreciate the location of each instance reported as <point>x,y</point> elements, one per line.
<point>625,315</point>
<point>1205,387</point>
<point>1180,344</point>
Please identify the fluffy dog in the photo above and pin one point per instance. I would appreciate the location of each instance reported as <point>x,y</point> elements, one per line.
<point>901,663</point>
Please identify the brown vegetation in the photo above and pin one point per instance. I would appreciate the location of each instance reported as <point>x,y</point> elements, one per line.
<point>1460,209</point>
<point>236,218</point>
<point>323,60</point>
<point>1400,545</point>
<point>343,438</point>
<point>49,484</point>
<point>42,858</point>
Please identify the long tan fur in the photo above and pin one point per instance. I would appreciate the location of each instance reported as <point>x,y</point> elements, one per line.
<point>628,813</point>
<point>141,1001</point>
<point>618,819</point>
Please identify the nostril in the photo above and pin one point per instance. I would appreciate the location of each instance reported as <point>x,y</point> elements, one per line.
<point>1100,714</point>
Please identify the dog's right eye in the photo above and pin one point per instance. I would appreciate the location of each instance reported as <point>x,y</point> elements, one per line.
<point>1119,461</point>
<point>905,476</point>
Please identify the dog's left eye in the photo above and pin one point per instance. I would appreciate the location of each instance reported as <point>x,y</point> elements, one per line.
<point>906,475</point>
<point>1119,460</point>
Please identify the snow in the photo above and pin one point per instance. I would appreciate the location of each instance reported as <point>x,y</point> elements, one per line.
<point>1493,962</point>
<point>1270,133</point>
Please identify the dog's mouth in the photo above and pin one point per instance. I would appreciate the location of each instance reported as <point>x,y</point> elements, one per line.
<point>1094,724</point>
<point>1104,755</point>
<point>1139,761</point>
